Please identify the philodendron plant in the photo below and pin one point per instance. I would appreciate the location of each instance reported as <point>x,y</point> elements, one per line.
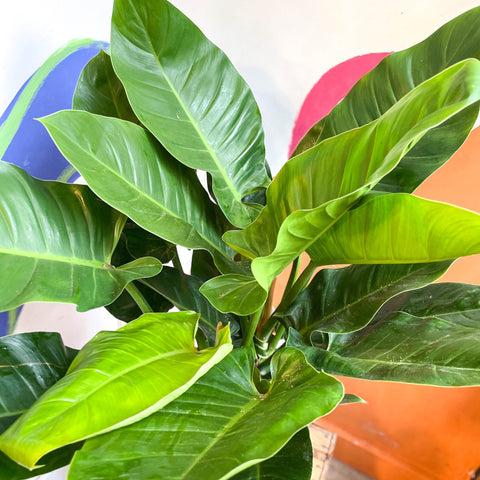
<point>225,386</point>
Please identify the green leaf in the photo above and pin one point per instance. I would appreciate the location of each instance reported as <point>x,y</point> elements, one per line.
<point>188,94</point>
<point>30,363</point>
<point>9,127</point>
<point>154,356</point>
<point>100,91</point>
<point>56,240</point>
<point>237,294</point>
<point>457,303</point>
<point>215,424</point>
<point>183,291</point>
<point>203,266</point>
<point>399,347</point>
<point>294,460</point>
<point>400,228</point>
<point>346,299</point>
<point>393,78</point>
<point>128,169</point>
<point>317,187</point>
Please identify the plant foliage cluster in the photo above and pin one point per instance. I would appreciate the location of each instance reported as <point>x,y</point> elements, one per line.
<point>225,386</point>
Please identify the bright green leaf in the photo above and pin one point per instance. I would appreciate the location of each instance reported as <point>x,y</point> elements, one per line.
<point>215,423</point>
<point>399,228</point>
<point>393,78</point>
<point>344,300</point>
<point>317,187</point>
<point>128,169</point>
<point>56,242</point>
<point>188,94</point>
<point>154,356</point>
<point>237,294</point>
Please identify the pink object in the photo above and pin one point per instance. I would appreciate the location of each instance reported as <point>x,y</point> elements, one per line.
<point>329,90</point>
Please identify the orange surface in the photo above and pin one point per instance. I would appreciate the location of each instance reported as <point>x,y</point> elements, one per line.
<point>408,432</point>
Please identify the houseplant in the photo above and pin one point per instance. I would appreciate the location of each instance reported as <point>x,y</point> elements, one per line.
<point>161,398</point>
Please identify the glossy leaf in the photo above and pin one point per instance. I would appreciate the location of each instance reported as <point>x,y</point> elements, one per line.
<point>100,91</point>
<point>154,356</point>
<point>56,240</point>
<point>294,460</point>
<point>400,228</point>
<point>317,187</point>
<point>346,299</point>
<point>393,78</point>
<point>399,347</point>
<point>183,291</point>
<point>202,265</point>
<point>126,167</point>
<point>220,413</point>
<point>237,294</point>
<point>188,94</point>
<point>457,303</point>
<point>30,363</point>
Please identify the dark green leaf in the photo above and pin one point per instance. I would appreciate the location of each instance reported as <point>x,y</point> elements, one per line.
<point>344,300</point>
<point>203,266</point>
<point>154,356</point>
<point>293,461</point>
<point>188,94</point>
<point>216,424</point>
<point>56,242</point>
<point>399,228</point>
<point>393,78</point>
<point>100,91</point>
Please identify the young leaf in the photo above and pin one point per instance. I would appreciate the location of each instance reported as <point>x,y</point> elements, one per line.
<point>294,460</point>
<point>56,240</point>
<point>154,356</point>
<point>237,294</point>
<point>315,188</point>
<point>126,167</point>
<point>188,94</point>
<point>100,91</point>
<point>399,228</point>
<point>218,415</point>
<point>30,363</point>
<point>393,78</point>
<point>346,299</point>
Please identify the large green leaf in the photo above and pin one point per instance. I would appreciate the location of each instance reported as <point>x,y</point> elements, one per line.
<point>183,291</point>
<point>457,303</point>
<point>100,91</point>
<point>399,228</point>
<point>216,424</point>
<point>293,461</point>
<point>154,359</point>
<point>393,78</point>
<point>30,363</point>
<point>315,188</point>
<point>126,167</point>
<point>188,94</point>
<point>344,300</point>
<point>237,294</point>
<point>399,347</point>
<point>56,242</point>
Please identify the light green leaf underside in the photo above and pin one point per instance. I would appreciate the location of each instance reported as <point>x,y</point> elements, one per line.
<point>346,299</point>
<point>189,95</point>
<point>315,188</point>
<point>128,169</point>
<point>220,413</point>
<point>154,356</point>
<point>400,228</point>
<point>56,240</point>
<point>293,461</point>
<point>394,77</point>
<point>402,348</point>
<point>237,294</point>
<point>9,127</point>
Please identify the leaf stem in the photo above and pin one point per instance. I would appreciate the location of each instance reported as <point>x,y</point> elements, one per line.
<point>139,298</point>
<point>252,327</point>
<point>298,287</point>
